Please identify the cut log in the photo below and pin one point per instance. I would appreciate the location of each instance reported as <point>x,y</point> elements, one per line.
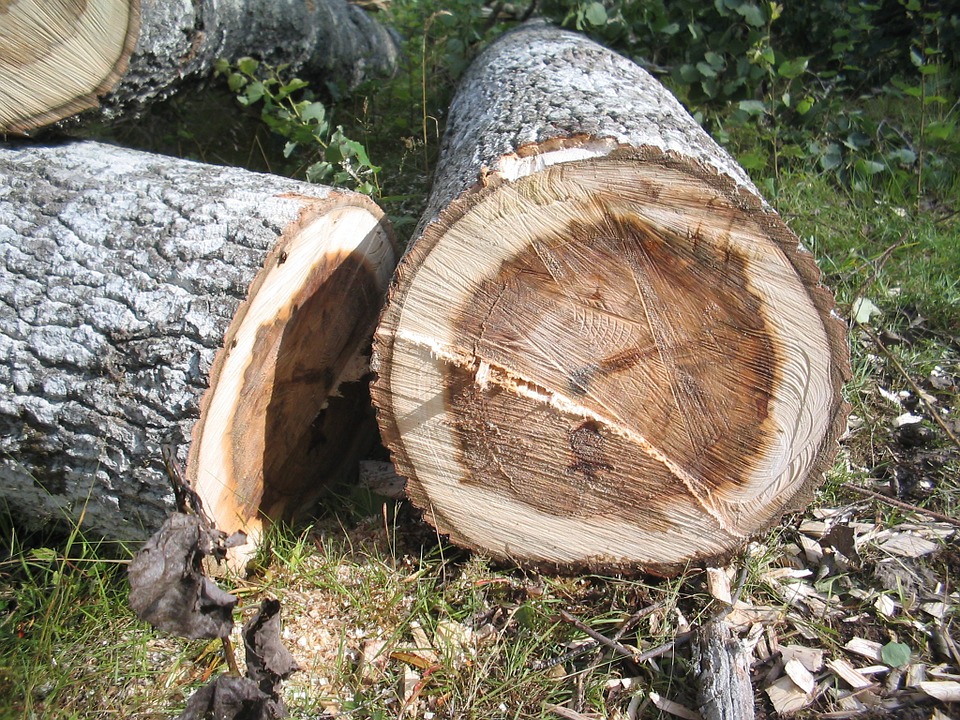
<point>605,349</point>
<point>145,299</point>
<point>58,58</point>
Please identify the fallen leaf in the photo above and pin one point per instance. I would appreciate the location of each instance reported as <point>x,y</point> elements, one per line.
<point>895,654</point>
<point>168,588</point>
<point>231,698</point>
<point>268,660</point>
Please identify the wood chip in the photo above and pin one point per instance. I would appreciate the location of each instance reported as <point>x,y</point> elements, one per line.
<point>745,615</point>
<point>909,545</point>
<point>849,674</point>
<point>813,528</point>
<point>934,609</point>
<point>718,584</point>
<point>787,697</point>
<point>916,674</point>
<point>669,706</point>
<point>811,549</point>
<point>865,648</point>
<point>885,605</point>
<point>810,658</point>
<point>943,690</point>
<point>800,675</point>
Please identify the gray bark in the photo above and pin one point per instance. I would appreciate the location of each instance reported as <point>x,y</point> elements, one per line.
<point>328,38</point>
<point>538,83</point>
<point>119,274</point>
<point>722,664</point>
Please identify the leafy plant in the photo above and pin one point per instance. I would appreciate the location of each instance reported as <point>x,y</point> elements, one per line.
<point>291,110</point>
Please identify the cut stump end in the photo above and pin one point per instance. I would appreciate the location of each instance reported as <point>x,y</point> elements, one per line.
<point>58,58</point>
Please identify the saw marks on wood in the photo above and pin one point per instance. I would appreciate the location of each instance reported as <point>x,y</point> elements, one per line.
<point>57,56</point>
<point>615,349</point>
<point>273,430</point>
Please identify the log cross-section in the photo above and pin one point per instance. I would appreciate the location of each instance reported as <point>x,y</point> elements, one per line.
<point>608,352</point>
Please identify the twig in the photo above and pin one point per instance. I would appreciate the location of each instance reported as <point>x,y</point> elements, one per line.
<point>902,505</point>
<point>910,381</point>
<point>599,637</point>
<point>230,656</point>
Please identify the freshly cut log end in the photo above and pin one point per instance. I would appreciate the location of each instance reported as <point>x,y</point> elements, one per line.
<point>617,361</point>
<point>609,352</point>
<point>286,404</point>
<point>60,57</point>
<point>57,57</point>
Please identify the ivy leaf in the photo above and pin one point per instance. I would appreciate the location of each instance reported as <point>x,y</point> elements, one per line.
<point>895,654</point>
<point>247,65</point>
<point>752,14</point>
<point>793,68</point>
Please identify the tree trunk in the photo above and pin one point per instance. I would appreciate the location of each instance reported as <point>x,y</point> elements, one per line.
<point>145,299</point>
<point>610,351</point>
<point>59,58</point>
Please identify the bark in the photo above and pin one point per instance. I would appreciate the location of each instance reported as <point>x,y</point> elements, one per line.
<point>722,664</point>
<point>130,52</point>
<point>603,348</point>
<point>146,300</point>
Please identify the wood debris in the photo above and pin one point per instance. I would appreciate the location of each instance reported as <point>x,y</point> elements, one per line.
<point>674,708</point>
<point>787,697</point>
<point>943,690</point>
<point>849,674</point>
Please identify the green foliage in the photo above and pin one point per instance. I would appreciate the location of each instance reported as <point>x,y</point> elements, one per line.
<point>803,84</point>
<point>289,109</point>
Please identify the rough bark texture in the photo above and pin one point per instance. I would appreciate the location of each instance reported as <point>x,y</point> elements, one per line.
<point>722,664</point>
<point>143,51</point>
<point>604,348</point>
<point>121,275</point>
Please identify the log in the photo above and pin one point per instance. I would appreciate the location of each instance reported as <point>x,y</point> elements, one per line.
<point>722,666</point>
<point>60,58</point>
<point>604,349</point>
<point>146,300</point>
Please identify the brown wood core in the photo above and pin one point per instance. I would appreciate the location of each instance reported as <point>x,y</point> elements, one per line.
<point>286,439</point>
<point>657,335</point>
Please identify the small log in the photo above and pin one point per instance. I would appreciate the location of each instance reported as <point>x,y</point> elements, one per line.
<point>604,348</point>
<point>722,665</point>
<point>60,58</point>
<point>144,299</point>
